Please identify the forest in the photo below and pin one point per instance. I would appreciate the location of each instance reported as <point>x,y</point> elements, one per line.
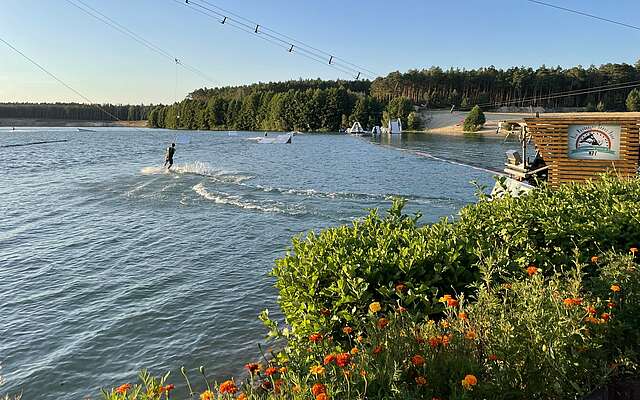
<point>330,105</point>
<point>75,111</point>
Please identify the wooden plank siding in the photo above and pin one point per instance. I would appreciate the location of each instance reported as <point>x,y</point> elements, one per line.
<point>551,137</point>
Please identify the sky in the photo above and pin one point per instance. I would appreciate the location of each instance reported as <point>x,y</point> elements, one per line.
<point>107,66</point>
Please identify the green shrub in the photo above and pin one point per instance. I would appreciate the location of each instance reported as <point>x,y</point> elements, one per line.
<point>328,279</point>
<point>633,100</point>
<point>474,120</point>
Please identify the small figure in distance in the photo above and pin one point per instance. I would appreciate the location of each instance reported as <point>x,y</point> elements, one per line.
<point>168,157</point>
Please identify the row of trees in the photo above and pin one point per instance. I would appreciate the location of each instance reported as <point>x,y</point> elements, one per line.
<point>75,111</point>
<point>518,86</point>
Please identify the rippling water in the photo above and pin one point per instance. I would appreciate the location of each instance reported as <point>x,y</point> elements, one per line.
<point>108,264</point>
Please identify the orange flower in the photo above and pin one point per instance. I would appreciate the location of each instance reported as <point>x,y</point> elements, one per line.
<point>446,339</point>
<point>382,323</point>
<point>595,259</point>
<point>283,370</point>
<point>574,301</point>
<point>471,335</point>
<point>329,358</point>
<point>462,315</point>
<point>228,387</point>
<point>252,367</point>
<point>445,298</point>
<point>377,350</point>
<point>318,389</point>
<point>615,288</point>
<point>167,388</point>
<point>401,287</point>
<point>343,359</point>
<point>421,380</point>
<point>591,310</point>
<point>317,370</point>
<point>592,320</point>
<point>360,339</point>
<point>270,371</point>
<point>444,323</point>
<point>453,303</point>
<point>242,396</point>
<point>315,337</point>
<point>354,351</point>
<point>347,330</point>
<point>492,357</point>
<point>374,307</point>
<point>207,395</point>
<point>435,341</point>
<point>322,396</point>
<point>611,304</point>
<point>122,389</point>
<point>417,360</point>
<point>605,316</point>
<point>469,381</point>
<point>532,270</point>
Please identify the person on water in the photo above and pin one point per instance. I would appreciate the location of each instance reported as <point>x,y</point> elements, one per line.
<point>168,158</point>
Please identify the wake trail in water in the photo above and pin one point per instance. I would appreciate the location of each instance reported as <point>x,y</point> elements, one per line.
<point>200,169</point>
<point>237,201</point>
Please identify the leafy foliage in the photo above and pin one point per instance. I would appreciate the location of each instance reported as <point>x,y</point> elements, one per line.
<point>474,120</point>
<point>75,111</point>
<point>633,100</point>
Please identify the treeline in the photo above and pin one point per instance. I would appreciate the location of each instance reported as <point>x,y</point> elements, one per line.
<point>518,86</point>
<point>275,107</point>
<point>75,111</point>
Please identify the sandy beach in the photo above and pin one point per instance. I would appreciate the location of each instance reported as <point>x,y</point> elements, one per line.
<point>68,123</point>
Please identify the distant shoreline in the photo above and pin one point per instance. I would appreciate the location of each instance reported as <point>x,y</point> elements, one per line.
<point>22,122</point>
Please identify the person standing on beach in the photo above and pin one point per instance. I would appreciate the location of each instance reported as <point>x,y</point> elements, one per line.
<point>168,157</point>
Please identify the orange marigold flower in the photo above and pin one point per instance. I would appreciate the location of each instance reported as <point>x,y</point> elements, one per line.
<point>445,298</point>
<point>363,373</point>
<point>283,370</point>
<point>469,381</point>
<point>270,371</point>
<point>360,339</point>
<point>315,337</point>
<point>354,351</point>
<point>375,307</point>
<point>401,287</point>
<point>252,367</point>
<point>343,359</point>
<point>347,330</point>
<point>228,387</point>
<point>462,315</point>
<point>421,380</point>
<point>453,303</point>
<point>318,389</point>
<point>377,350</point>
<point>492,357</point>
<point>444,323</point>
<point>471,334</point>
<point>605,316</point>
<point>572,301</point>
<point>382,323</point>
<point>532,270</point>
<point>242,396</point>
<point>595,259</point>
<point>122,389</point>
<point>167,388</point>
<point>591,310</point>
<point>329,359</point>
<point>434,341</point>
<point>207,395</point>
<point>322,396</point>
<point>615,288</point>
<point>417,360</point>
<point>446,339</point>
<point>317,370</point>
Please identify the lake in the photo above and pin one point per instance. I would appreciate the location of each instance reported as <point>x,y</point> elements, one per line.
<point>109,265</point>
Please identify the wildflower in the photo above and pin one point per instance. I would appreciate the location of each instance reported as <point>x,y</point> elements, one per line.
<point>615,288</point>
<point>434,341</point>
<point>283,370</point>
<point>228,387</point>
<point>242,396</point>
<point>462,315</point>
<point>207,395</point>
<point>377,350</point>
<point>374,307</point>
<point>122,389</point>
<point>347,330</point>
<point>382,323</point>
<point>315,337</point>
<point>633,250</point>
<point>532,270</point>
<point>595,259</point>
<point>591,310</point>
<point>446,339</point>
<point>592,320</point>
<point>343,359</point>
<point>574,301</point>
<point>317,370</point>
<point>421,380</point>
<point>605,316</point>
<point>167,388</point>
<point>329,359</point>
<point>318,389</point>
<point>401,287</point>
<point>252,367</point>
<point>277,384</point>
<point>270,371</point>
<point>354,351</point>
<point>611,304</point>
<point>401,310</point>
<point>445,298</point>
<point>322,396</point>
<point>469,381</point>
<point>492,357</point>
<point>444,323</point>
<point>471,335</point>
<point>296,389</point>
<point>417,360</point>
<point>325,311</point>
<point>360,339</point>
<point>453,303</point>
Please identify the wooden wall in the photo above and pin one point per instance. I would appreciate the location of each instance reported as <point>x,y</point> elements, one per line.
<point>551,136</point>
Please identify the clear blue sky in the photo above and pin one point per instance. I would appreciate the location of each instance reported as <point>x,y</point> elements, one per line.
<point>381,35</point>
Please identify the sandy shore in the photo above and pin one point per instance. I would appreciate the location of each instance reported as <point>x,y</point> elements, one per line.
<point>68,123</point>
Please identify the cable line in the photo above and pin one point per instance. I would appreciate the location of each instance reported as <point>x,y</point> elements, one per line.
<point>256,29</point>
<point>87,9</point>
<point>584,14</point>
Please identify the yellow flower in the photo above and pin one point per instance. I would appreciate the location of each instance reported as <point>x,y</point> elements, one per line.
<point>317,370</point>
<point>615,288</point>
<point>207,395</point>
<point>375,307</point>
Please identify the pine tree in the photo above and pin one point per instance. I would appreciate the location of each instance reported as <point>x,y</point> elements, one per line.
<point>474,120</point>
<point>633,100</point>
